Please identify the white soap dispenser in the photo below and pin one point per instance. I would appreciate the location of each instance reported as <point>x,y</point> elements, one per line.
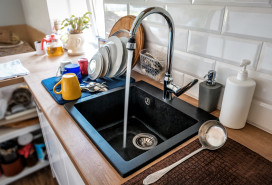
<point>237,99</point>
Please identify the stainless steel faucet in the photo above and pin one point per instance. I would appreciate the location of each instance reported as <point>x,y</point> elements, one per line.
<point>169,86</point>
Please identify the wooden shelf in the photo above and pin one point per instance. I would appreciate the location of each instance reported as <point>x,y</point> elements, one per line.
<point>11,81</point>
<point>21,116</point>
<point>28,170</point>
<point>7,133</point>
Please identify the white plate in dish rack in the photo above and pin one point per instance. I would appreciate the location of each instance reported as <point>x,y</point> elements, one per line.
<point>117,62</point>
<point>112,50</point>
<point>95,66</point>
<point>105,55</point>
<point>123,67</point>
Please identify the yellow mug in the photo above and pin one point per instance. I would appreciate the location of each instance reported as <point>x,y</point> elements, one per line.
<point>70,88</point>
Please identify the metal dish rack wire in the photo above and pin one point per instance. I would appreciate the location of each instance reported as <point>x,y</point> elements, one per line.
<point>152,64</point>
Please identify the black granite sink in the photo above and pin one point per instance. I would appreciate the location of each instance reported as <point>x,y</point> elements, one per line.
<point>101,118</point>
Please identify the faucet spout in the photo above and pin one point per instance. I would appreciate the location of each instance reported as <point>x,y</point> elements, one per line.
<point>169,86</point>
<point>131,45</point>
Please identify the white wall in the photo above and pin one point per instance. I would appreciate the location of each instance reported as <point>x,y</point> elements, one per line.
<point>36,15</point>
<point>62,7</point>
<point>11,13</point>
<point>31,12</point>
<point>212,34</point>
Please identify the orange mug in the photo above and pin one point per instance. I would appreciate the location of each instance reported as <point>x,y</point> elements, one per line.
<point>70,88</point>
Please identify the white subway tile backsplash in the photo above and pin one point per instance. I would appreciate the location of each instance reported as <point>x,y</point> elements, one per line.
<point>249,22</point>
<point>156,33</point>
<point>228,49</point>
<point>181,39</point>
<point>197,17</point>
<point>260,115</point>
<point>112,13</point>
<point>159,34</point>
<point>192,64</point>
<point>193,91</point>
<point>223,71</point>
<point>171,1</point>
<point>265,62</point>
<point>136,8</point>
<point>178,77</point>
<point>115,11</point>
<point>263,89</point>
<point>211,34</point>
<point>260,3</point>
<point>121,1</point>
<point>156,48</point>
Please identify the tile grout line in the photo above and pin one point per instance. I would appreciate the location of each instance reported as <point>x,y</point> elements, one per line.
<point>187,45</point>
<point>259,56</point>
<point>224,20</point>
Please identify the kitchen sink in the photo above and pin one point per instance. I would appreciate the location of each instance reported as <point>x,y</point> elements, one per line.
<point>169,122</point>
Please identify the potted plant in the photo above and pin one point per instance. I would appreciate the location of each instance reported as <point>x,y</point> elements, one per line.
<point>76,25</point>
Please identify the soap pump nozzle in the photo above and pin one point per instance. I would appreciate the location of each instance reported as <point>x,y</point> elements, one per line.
<point>211,78</point>
<point>243,74</point>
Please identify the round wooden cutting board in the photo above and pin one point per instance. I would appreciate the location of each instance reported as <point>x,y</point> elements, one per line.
<point>125,23</point>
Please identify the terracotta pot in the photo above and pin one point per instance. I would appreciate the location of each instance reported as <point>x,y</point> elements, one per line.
<point>75,44</point>
<point>13,168</point>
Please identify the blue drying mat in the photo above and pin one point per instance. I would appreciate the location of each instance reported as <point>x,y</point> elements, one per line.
<point>49,83</point>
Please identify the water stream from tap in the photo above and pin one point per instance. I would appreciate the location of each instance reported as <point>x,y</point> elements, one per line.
<point>129,62</point>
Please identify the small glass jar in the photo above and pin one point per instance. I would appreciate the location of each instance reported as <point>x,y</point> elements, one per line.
<point>54,45</point>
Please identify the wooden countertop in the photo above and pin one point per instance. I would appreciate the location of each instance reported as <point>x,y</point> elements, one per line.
<point>90,163</point>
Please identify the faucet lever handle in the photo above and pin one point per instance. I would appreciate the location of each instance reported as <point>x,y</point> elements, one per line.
<point>186,87</point>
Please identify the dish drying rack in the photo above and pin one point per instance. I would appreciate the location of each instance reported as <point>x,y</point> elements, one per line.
<point>152,64</point>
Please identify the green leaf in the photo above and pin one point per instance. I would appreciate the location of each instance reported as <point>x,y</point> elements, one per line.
<point>88,19</point>
<point>87,13</point>
<point>77,23</point>
<point>65,20</point>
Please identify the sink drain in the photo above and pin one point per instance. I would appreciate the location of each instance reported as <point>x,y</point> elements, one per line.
<point>145,141</point>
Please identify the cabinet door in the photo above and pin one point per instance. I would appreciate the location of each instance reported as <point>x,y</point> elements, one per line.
<point>53,149</point>
<point>60,163</point>
<point>43,125</point>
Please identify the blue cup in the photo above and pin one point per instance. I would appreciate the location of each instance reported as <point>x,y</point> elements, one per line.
<point>73,68</point>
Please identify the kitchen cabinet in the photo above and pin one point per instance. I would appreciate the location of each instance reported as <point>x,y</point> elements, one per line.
<point>61,165</point>
<point>11,133</point>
